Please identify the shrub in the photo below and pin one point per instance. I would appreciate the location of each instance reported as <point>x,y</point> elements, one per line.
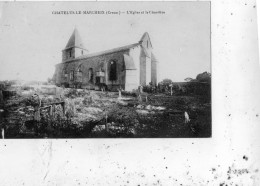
<point>70,93</point>
<point>70,109</point>
<point>127,93</point>
<point>122,116</point>
<point>26,87</point>
<point>148,88</point>
<point>166,82</point>
<point>204,77</point>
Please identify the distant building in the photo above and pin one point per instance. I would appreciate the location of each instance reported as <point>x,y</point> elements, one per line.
<point>126,67</point>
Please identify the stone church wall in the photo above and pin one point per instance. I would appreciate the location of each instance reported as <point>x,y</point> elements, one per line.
<point>154,68</point>
<point>131,82</point>
<point>89,71</point>
<point>142,68</point>
<point>97,63</point>
<point>135,54</point>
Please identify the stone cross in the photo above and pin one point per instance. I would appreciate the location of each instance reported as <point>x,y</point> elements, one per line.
<point>140,98</point>
<point>119,93</point>
<point>141,89</point>
<point>171,88</point>
<point>106,122</point>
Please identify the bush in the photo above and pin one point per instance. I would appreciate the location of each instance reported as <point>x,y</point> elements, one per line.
<point>27,88</point>
<point>148,88</point>
<point>87,100</point>
<point>122,116</point>
<point>204,77</point>
<point>70,93</point>
<point>166,82</point>
<point>70,109</point>
<point>127,93</point>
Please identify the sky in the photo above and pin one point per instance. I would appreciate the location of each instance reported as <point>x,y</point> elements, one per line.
<point>32,37</point>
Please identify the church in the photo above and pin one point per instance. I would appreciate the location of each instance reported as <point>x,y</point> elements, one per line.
<point>125,67</point>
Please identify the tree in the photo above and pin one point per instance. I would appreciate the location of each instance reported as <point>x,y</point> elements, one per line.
<point>166,82</point>
<point>188,79</point>
<point>204,77</point>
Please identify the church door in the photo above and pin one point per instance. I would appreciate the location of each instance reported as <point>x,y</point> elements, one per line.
<point>98,80</point>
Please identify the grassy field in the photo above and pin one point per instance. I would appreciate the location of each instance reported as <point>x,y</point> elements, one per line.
<point>96,114</point>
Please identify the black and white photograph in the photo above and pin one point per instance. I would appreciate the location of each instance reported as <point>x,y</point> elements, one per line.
<point>135,93</point>
<point>71,70</point>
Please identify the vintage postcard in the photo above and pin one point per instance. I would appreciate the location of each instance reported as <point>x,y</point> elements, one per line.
<point>129,93</point>
<point>106,70</point>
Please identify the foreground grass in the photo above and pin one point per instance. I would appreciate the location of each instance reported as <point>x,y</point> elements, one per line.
<point>101,114</point>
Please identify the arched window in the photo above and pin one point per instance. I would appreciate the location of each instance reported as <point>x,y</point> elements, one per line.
<point>65,73</point>
<point>91,75</point>
<point>112,71</point>
<point>79,69</point>
<point>79,73</point>
<point>71,75</point>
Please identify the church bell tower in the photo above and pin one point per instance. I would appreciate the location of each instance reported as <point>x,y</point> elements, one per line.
<point>74,47</point>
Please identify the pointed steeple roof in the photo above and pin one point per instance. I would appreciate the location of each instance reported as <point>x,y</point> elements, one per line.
<point>146,37</point>
<point>75,40</point>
